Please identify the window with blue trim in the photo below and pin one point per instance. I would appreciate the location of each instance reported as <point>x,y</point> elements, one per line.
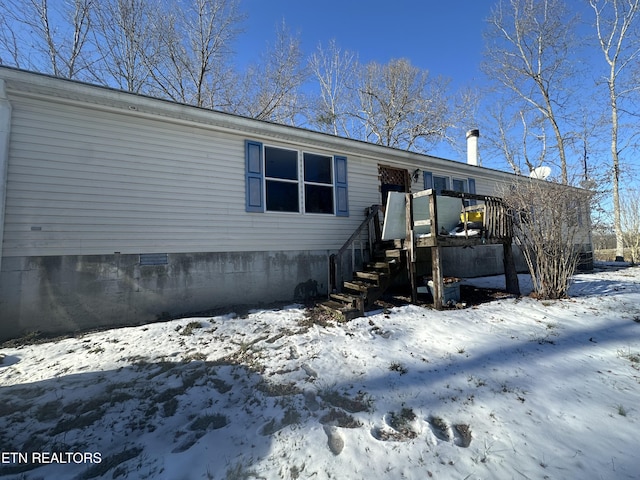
<point>440,183</point>
<point>294,181</point>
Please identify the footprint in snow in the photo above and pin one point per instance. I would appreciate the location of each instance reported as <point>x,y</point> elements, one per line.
<point>293,353</point>
<point>462,435</point>
<point>399,427</point>
<point>440,428</point>
<point>310,401</point>
<point>459,433</point>
<point>334,439</point>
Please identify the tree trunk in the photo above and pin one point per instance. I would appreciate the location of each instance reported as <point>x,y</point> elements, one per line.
<point>617,225</point>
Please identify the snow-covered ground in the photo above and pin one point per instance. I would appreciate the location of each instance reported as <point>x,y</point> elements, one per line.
<point>514,388</point>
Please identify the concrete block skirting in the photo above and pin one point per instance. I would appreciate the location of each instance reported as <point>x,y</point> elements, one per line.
<point>61,294</point>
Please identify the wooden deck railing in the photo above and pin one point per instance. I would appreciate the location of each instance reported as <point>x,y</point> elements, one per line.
<point>496,222</point>
<point>370,227</point>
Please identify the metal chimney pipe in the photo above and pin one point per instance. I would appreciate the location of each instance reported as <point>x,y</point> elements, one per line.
<point>472,147</point>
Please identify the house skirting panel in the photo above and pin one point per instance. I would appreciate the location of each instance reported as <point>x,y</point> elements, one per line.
<point>479,261</point>
<point>470,262</point>
<point>61,294</point>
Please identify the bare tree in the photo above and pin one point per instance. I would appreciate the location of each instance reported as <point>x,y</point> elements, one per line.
<point>9,41</point>
<point>551,222</point>
<point>53,33</point>
<point>126,37</point>
<point>195,51</point>
<point>529,43</point>
<point>618,35</point>
<point>509,135</point>
<point>502,141</point>
<point>270,90</point>
<point>401,106</point>
<point>630,221</point>
<point>334,71</point>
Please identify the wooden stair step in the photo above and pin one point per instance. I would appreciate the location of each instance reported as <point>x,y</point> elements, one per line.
<point>358,286</point>
<point>372,276</point>
<point>345,298</point>
<point>394,263</point>
<point>384,266</point>
<point>368,284</point>
<point>335,305</point>
<point>340,310</point>
<point>393,253</point>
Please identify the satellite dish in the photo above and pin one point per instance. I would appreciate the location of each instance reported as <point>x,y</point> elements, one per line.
<point>541,173</point>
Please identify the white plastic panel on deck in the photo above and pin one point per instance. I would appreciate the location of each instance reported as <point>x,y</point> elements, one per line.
<point>394,228</point>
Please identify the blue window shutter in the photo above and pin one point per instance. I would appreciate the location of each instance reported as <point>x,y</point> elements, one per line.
<point>254,177</point>
<point>428,180</point>
<point>342,191</point>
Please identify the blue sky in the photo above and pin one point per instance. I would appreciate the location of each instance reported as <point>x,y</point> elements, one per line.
<point>444,37</point>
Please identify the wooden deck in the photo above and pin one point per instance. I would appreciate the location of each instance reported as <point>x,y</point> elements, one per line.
<point>496,229</point>
<point>378,263</point>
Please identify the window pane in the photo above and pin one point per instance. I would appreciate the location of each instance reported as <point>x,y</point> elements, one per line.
<point>439,183</point>
<point>280,163</point>
<point>282,196</point>
<point>317,168</point>
<point>318,199</point>
<point>458,185</point>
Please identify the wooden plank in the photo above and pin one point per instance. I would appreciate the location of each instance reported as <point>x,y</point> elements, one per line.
<point>422,223</point>
<point>422,242</point>
<point>433,214</point>
<point>410,247</point>
<point>373,276</point>
<point>491,219</point>
<point>423,193</point>
<point>384,266</point>
<point>408,237</point>
<point>438,279</point>
<point>457,241</point>
<point>344,298</point>
<point>357,286</point>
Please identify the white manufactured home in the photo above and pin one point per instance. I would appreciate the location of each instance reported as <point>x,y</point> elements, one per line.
<point>122,209</point>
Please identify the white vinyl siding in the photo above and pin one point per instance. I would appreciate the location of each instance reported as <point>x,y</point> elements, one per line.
<point>89,176</point>
<point>85,181</point>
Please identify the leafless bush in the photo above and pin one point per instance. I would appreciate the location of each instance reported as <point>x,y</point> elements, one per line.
<point>550,222</point>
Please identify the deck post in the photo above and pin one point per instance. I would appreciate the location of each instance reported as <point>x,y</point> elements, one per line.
<point>331,275</point>
<point>410,247</point>
<point>412,278</point>
<point>510,273</point>
<point>436,258</point>
<point>438,279</point>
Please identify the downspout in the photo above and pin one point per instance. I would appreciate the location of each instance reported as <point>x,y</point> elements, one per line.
<point>5,129</point>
